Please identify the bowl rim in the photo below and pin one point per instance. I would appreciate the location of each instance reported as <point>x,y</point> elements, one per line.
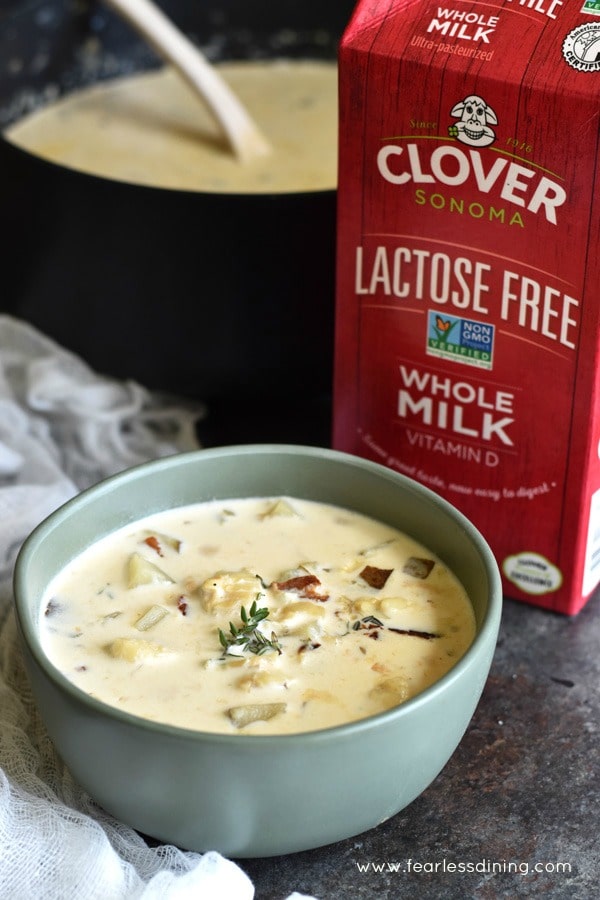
<point>487,630</point>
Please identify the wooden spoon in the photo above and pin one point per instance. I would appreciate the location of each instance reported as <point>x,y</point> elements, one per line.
<point>174,47</point>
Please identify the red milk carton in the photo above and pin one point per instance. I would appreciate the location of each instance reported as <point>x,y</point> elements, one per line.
<point>468,309</point>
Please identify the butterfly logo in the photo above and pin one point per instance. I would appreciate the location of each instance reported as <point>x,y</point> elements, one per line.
<point>442,325</point>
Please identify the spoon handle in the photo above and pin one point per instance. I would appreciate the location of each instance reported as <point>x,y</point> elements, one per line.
<point>174,47</point>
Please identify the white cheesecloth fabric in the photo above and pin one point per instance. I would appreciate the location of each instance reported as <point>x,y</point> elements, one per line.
<point>62,428</point>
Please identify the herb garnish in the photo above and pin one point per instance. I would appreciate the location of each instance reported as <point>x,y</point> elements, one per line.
<point>248,637</point>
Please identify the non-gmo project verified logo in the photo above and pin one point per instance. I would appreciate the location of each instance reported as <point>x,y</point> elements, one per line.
<point>461,340</point>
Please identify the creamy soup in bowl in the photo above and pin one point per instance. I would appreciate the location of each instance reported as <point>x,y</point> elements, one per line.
<point>267,615</point>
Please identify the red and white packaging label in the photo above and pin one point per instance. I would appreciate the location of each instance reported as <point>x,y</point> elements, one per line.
<point>468,274</point>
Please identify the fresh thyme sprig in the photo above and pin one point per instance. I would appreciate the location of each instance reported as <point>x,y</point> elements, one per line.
<point>248,637</point>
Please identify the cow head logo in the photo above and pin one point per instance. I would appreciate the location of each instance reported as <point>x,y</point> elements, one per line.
<point>475,118</point>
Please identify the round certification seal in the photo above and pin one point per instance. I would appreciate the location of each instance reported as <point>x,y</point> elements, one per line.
<point>532,573</point>
<point>581,48</point>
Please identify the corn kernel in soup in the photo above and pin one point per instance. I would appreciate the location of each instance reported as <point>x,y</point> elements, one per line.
<point>256,616</point>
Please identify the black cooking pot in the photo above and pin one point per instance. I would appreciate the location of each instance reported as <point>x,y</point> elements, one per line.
<point>207,295</point>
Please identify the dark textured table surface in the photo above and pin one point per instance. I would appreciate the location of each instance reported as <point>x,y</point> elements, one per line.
<point>515,812</point>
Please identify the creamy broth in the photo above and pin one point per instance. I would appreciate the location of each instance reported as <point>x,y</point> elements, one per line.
<point>152,129</point>
<point>358,617</point>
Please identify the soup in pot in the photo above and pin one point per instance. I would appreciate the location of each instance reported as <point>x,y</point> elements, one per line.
<point>152,129</point>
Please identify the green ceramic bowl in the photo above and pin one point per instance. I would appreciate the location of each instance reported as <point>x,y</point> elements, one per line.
<point>258,795</point>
